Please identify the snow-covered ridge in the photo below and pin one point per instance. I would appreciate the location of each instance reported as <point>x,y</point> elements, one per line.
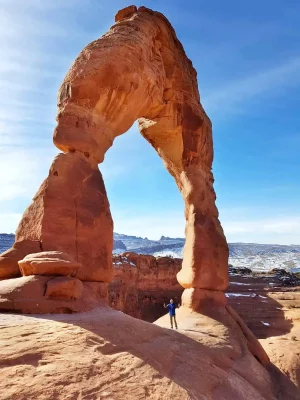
<point>257,257</point>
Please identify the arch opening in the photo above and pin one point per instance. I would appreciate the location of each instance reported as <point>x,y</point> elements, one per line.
<point>143,196</point>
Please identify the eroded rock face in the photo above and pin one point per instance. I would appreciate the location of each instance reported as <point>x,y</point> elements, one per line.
<point>70,213</point>
<point>64,288</point>
<point>143,283</point>
<point>263,302</point>
<point>104,92</point>
<point>271,310</point>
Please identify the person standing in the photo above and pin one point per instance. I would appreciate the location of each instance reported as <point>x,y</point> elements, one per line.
<point>172,307</point>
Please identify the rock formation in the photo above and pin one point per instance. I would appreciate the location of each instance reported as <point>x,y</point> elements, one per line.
<point>137,71</point>
<point>118,244</point>
<point>102,95</point>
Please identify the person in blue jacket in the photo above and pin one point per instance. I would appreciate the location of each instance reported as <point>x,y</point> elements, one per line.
<point>172,307</point>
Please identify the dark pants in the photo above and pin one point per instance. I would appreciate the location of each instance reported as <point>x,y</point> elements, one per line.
<point>173,317</point>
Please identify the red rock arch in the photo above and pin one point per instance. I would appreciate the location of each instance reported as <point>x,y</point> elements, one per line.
<point>136,71</point>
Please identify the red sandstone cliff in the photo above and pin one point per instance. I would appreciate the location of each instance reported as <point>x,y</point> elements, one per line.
<point>143,283</point>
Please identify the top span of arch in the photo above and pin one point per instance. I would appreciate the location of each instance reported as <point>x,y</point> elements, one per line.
<point>138,70</point>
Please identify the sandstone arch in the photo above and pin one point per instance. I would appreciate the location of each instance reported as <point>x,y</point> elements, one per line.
<point>136,71</point>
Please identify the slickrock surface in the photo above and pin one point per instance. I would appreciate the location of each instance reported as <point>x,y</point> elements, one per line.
<point>107,354</point>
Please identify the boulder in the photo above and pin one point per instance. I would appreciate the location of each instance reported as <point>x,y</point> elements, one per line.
<point>49,263</point>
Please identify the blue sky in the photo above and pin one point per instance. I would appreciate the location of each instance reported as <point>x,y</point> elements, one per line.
<point>248,61</point>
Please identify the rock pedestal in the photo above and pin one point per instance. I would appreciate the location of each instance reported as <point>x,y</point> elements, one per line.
<point>70,214</point>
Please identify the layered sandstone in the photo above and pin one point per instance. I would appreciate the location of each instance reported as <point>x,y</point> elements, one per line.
<point>143,283</point>
<point>49,263</point>
<point>65,288</point>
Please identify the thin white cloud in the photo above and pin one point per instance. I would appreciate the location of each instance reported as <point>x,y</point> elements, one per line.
<point>9,222</point>
<point>273,230</point>
<point>43,5</point>
<point>15,22</point>
<point>273,80</point>
<point>11,68</point>
<point>21,173</point>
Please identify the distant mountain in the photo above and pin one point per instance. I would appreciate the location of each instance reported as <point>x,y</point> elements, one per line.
<point>265,256</point>
<point>257,257</point>
<point>118,244</point>
<point>6,241</point>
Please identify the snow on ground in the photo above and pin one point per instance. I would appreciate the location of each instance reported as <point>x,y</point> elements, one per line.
<point>169,253</point>
<point>240,295</point>
<point>257,257</point>
<point>124,260</point>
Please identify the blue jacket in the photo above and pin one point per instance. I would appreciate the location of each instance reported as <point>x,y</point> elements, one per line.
<point>171,308</point>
